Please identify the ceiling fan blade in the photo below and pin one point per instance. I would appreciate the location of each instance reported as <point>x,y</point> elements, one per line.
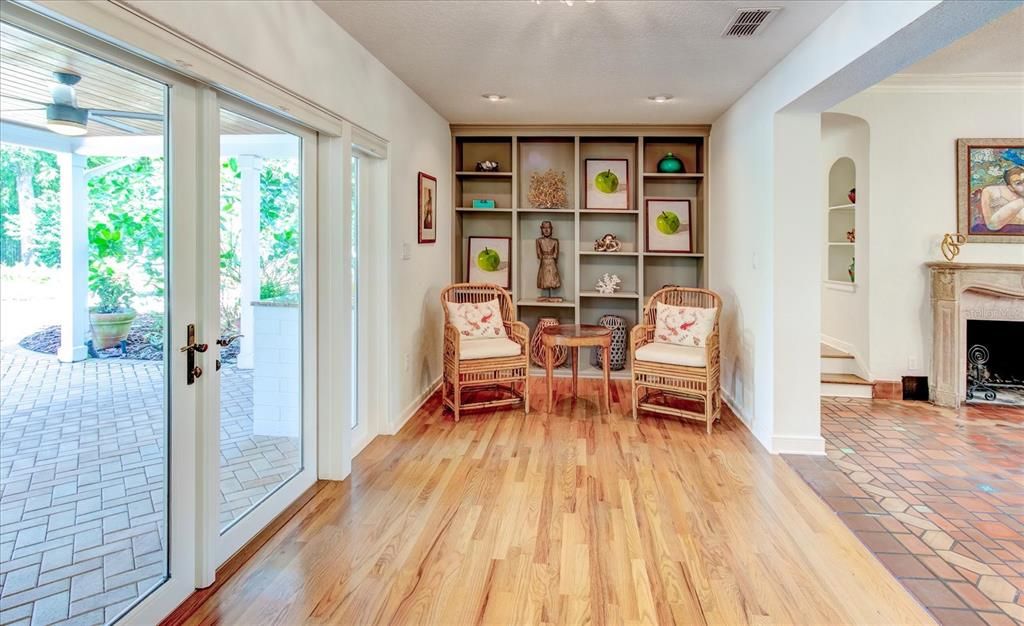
<point>131,115</point>
<point>99,119</point>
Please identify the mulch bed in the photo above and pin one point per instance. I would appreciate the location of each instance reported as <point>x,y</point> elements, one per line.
<point>146,326</point>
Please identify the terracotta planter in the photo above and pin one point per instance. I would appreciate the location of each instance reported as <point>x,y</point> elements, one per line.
<point>110,329</point>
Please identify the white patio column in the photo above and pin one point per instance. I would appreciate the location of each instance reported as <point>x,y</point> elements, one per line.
<point>249,165</point>
<point>74,257</point>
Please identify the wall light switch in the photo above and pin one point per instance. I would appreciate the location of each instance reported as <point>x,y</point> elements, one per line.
<point>912,364</point>
<point>406,252</point>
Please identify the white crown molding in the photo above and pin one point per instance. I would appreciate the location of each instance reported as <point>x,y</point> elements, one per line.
<point>1011,82</point>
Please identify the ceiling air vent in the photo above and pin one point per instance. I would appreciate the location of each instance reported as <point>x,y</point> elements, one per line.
<point>747,22</point>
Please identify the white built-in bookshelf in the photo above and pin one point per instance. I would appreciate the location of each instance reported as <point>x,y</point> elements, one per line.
<point>521,151</point>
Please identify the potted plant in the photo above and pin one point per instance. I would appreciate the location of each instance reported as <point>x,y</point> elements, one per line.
<point>111,319</point>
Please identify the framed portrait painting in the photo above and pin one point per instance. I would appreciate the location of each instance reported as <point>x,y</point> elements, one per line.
<point>668,224</point>
<point>607,184</point>
<point>426,211</point>
<point>990,190</point>
<point>489,260</point>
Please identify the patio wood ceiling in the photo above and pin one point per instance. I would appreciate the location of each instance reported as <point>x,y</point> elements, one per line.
<point>27,63</point>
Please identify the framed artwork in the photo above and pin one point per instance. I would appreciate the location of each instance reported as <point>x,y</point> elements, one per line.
<point>426,211</point>
<point>607,184</point>
<point>990,190</point>
<point>490,261</point>
<point>667,224</point>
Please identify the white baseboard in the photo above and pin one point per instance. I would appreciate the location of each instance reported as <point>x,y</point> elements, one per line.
<point>734,407</point>
<point>798,445</point>
<point>415,405</point>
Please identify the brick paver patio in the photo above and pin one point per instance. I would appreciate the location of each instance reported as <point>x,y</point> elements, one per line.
<point>82,482</point>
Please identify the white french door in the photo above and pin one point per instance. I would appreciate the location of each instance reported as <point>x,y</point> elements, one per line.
<point>259,275</point>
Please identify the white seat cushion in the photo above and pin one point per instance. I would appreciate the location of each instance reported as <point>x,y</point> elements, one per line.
<point>671,354</point>
<point>470,349</point>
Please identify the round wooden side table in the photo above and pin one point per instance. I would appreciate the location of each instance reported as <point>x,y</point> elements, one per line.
<point>574,337</point>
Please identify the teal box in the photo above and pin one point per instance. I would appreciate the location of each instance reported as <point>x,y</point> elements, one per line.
<point>483,204</point>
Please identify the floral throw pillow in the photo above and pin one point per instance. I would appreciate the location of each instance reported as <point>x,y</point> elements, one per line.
<point>683,325</point>
<point>477,320</point>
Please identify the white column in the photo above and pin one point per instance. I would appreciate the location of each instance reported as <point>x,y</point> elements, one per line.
<point>74,257</point>
<point>249,166</point>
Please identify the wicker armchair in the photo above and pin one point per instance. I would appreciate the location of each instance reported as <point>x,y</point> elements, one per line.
<point>501,372</point>
<point>658,380</point>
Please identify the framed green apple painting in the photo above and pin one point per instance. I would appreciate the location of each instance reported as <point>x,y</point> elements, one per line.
<point>490,261</point>
<point>668,224</point>
<point>607,184</point>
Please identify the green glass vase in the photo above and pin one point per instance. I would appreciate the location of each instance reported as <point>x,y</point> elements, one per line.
<point>670,164</point>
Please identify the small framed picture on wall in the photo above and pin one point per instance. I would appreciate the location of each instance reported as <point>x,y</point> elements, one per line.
<point>607,184</point>
<point>489,260</point>
<point>668,224</point>
<point>427,208</point>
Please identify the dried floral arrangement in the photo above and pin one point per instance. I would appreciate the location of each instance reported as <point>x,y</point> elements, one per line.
<point>547,190</point>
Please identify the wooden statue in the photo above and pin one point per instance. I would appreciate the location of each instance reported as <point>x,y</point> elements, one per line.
<point>547,273</point>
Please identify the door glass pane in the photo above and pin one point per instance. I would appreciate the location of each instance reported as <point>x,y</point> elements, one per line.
<point>83,312</point>
<point>354,277</point>
<point>260,300</point>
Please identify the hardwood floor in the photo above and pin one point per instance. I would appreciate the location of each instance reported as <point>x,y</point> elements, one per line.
<point>572,517</point>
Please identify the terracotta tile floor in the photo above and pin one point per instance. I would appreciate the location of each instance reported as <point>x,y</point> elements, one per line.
<point>936,494</point>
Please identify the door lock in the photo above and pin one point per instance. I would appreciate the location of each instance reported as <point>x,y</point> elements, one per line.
<point>192,371</point>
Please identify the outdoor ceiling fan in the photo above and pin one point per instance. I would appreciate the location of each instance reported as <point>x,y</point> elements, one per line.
<point>64,116</point>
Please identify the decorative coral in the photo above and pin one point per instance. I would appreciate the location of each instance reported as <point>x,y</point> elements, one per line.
<point>547,190</point>
<point>609,283</point>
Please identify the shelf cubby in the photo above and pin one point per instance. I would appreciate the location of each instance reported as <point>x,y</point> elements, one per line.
<point>671,270</point>
<point>609,148</point>
<point>539,154</point>
<point>625,267</point>
<point>479,224</point>
<point>563,226</point>
<point>593,226</point>
<point>840,219</point>
<point>689,149</point>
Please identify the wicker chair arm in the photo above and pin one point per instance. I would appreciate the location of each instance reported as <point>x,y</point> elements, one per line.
<point>451,342</point>
<point>641,335</point>
<point>519,332</point>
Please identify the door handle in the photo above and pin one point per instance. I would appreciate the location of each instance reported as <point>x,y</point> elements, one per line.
<point>192,371</point>
<point>224,342</point>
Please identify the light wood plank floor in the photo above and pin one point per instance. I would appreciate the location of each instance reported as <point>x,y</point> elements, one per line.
<point>575,517</point>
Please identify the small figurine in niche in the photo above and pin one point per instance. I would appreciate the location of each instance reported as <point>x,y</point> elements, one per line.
<point>609,283</point>
<point>851,235</point>
<point>608,243</point>
<point>852,196</point>
<point>547,273</point>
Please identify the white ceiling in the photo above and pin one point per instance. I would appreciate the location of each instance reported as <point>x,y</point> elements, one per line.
<point>996,47</point>
<point>589,63</point>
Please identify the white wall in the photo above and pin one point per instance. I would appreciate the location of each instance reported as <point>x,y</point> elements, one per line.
<point>765,217</point>
<point>844,313</point>
<point>913,204</point>
<point>298,46</point>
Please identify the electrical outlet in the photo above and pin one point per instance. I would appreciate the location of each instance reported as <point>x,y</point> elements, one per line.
<point>912,364</point>
<point>406,252</point>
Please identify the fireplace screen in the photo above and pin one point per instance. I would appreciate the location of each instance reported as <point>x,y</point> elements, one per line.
<point>995,362</point>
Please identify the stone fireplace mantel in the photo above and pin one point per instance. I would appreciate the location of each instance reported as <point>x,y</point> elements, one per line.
<point>1001,286</point>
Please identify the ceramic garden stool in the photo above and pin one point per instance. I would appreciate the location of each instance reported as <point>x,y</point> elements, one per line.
<point>617,325</point>
<point>537,346</point>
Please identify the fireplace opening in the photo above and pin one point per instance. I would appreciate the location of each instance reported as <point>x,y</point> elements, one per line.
<point>995,362</point>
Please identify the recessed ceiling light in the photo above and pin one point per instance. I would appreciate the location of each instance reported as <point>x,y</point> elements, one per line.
<point>661,97</point>
<point>493,97</point>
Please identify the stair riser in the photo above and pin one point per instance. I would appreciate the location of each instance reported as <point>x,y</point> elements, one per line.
<point>830,365</point>
<point>844,390</point>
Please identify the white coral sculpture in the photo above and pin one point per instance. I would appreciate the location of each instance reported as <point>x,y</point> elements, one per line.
<point>609,283</point>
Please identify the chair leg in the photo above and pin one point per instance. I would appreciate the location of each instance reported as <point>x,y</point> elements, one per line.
<point>456,401</point>
<point>709,409</point>
<point>636,399</point>
<point>526,390</point>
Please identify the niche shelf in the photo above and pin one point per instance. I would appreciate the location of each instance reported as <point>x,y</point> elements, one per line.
<point>841,218</point>
<point>521,151</point>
